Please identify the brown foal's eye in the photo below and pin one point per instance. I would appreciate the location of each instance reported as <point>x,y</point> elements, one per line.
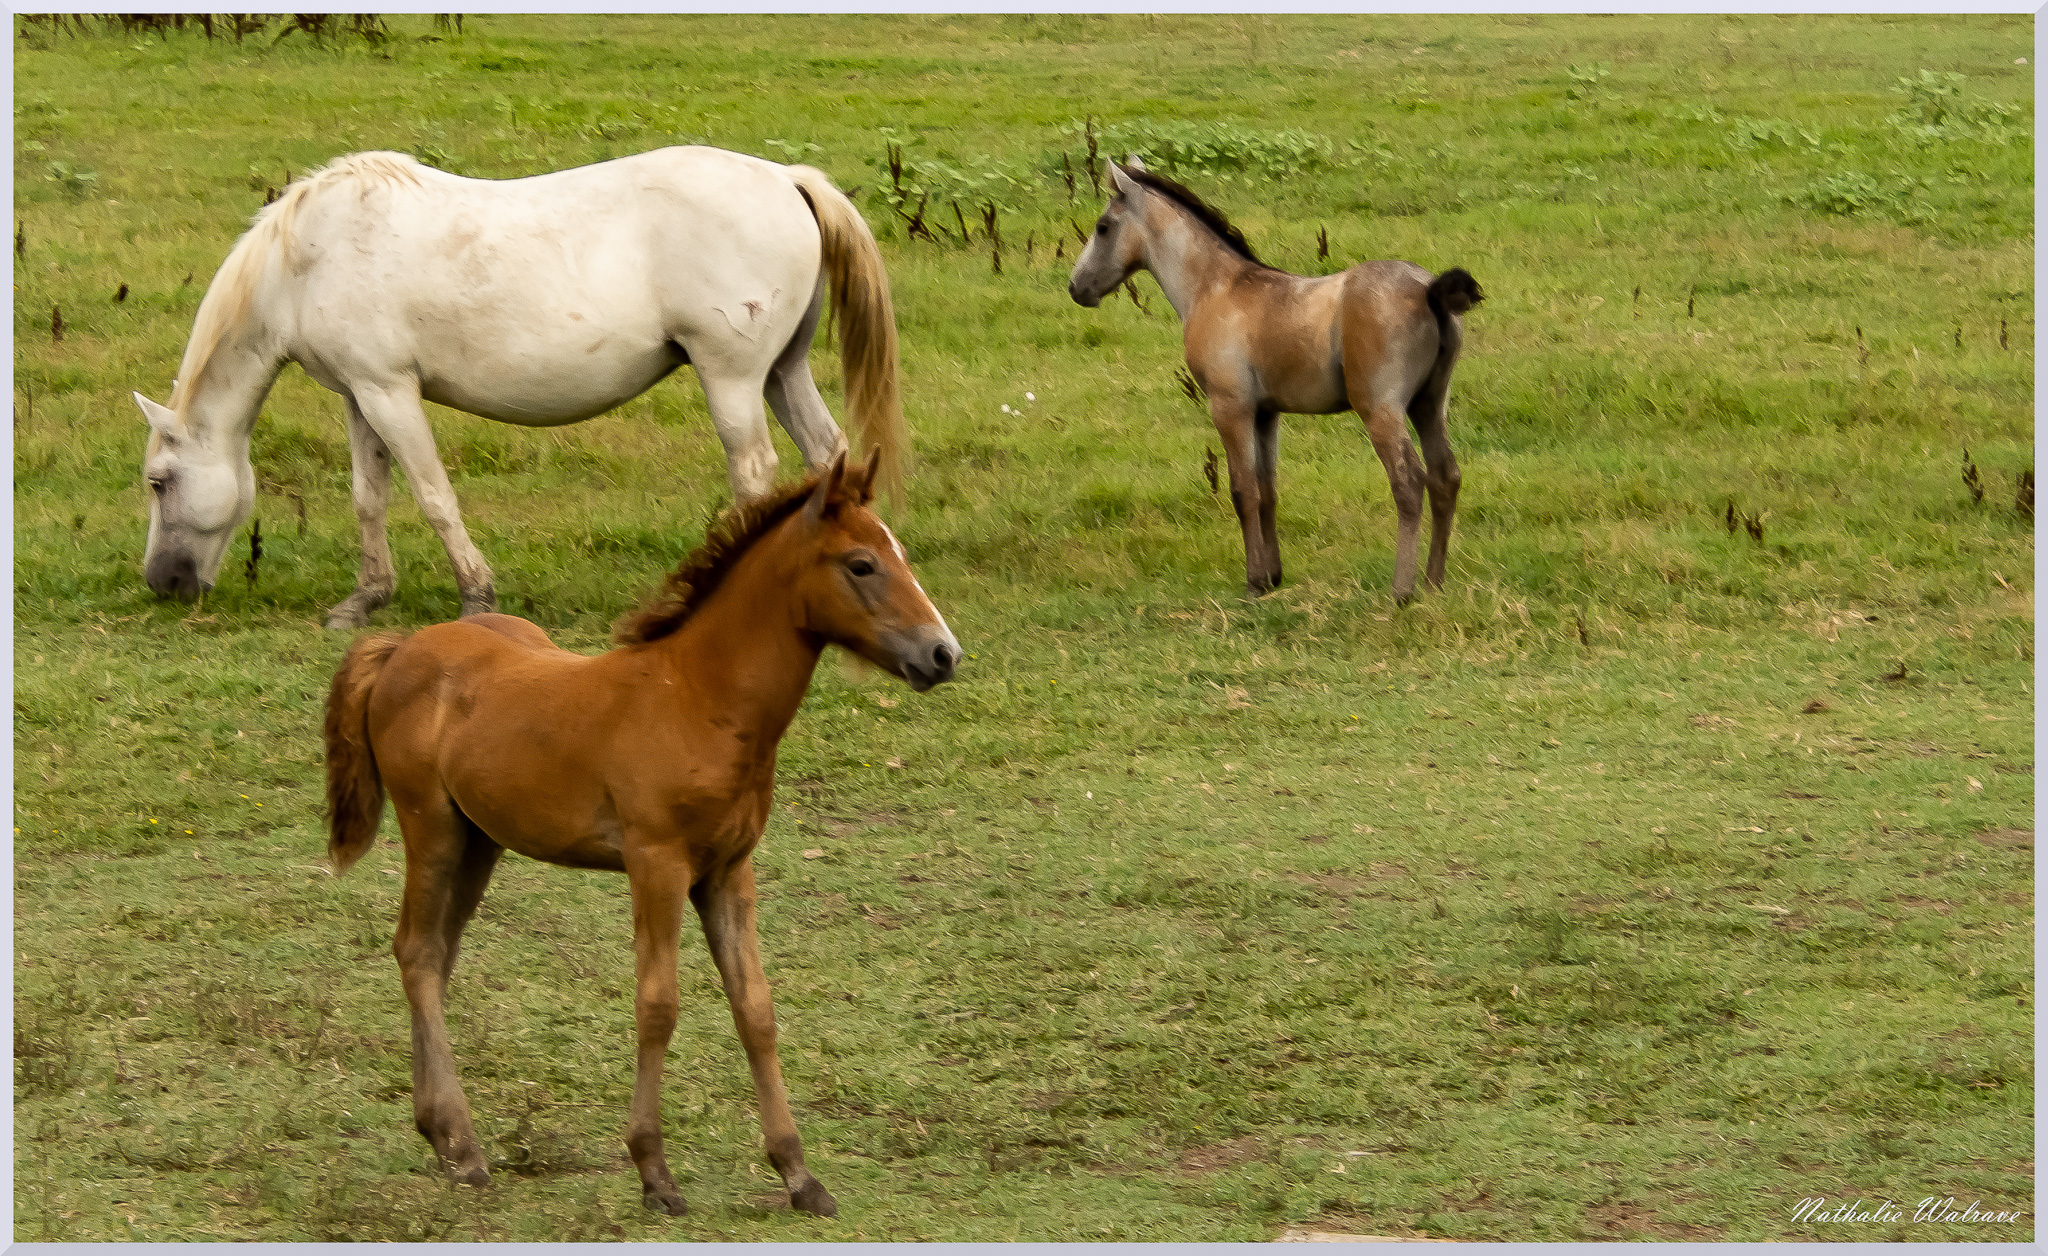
<point>860,566</point>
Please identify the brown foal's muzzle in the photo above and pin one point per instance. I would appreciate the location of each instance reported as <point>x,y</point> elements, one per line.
<point>925,657</point>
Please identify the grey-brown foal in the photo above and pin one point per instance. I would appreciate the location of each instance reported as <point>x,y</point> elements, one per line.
<point>1380,338</point>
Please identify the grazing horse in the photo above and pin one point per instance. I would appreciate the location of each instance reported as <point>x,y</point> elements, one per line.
<point>538,301</point>
<point>1380,339</point>
<point>656,759</point>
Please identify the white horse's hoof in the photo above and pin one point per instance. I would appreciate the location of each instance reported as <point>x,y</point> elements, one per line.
<point>354,611</point>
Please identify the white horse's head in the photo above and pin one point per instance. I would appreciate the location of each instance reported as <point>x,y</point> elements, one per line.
<point>1117,249</point>
<point>201,488</point>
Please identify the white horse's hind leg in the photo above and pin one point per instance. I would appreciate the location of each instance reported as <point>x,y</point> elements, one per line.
<point>370,483</point>
<point>793,395</point>
<point>742,422</point>
<point>397,419</point>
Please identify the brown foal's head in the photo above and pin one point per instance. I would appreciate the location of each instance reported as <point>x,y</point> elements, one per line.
<point>855,584</point>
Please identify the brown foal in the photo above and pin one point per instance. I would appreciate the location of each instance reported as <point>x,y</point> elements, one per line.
<point>656,759</point>
<point>1380,339</point>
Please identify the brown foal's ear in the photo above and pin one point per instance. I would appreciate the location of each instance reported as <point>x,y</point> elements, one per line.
<point>830,489</point>
<point>860,485</point>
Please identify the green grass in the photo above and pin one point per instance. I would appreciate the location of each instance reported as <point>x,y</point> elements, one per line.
<point>1648,879</point>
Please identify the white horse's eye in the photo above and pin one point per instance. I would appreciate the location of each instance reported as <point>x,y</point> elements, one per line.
<point>156,484</point>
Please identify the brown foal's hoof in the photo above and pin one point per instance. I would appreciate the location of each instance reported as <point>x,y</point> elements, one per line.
<point>814,1199</point>
<point>666,1200</point>
<point>478,1176</point>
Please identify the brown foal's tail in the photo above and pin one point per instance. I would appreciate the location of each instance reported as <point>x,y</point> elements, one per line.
<point>867,324</point>
<point>355,793</point>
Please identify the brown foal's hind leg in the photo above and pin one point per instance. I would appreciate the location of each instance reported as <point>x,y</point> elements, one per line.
<point>1385,424</point>
<point>448,864</point>
<point>658,880</point>
<point>1236,424</point>
<point>725,904</point>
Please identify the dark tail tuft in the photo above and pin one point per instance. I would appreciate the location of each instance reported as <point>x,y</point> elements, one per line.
<point>355,791</point>
<point>1454,292</point>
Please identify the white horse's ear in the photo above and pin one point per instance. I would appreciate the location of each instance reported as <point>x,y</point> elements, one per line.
<point>162,419</point>
<point>1134,162</point>
<point>1121,183</point>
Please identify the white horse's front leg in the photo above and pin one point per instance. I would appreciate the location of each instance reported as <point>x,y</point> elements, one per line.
<point>398,420</point>
<point>370,483</point>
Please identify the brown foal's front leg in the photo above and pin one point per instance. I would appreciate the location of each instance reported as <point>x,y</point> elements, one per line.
<point>1235,424</point>
<point>725,905</point>
<point>658,882</point>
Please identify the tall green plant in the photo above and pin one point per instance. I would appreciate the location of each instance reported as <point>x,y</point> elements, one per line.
<point>1220,149</point>
<point>1939,111</point>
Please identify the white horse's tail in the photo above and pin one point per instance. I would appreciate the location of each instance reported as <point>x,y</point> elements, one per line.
<point>867,325</point>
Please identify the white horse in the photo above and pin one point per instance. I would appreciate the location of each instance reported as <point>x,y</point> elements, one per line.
<point>537,301</point>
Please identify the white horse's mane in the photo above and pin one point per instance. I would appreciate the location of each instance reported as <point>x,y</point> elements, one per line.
<point>269,235</point>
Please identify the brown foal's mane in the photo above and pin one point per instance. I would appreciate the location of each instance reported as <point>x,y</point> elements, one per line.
<point>1206,214</point>
<point>700,574</point>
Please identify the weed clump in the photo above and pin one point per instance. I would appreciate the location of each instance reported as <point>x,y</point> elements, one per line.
<point>1221,149</point>
<point>1852,192</point>
<point>1939,111</point>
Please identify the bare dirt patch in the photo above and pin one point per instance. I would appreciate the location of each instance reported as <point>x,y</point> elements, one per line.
<point>841,826</point>
<point>1641,1221</point>
<point>1342,886</point>
<point>1313,1234</point>
<point>2006,837</point>
<point>1217,1156</point>
<point>1050,1100</point>
<point>1939,906</point>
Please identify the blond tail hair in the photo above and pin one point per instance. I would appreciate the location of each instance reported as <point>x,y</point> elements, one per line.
<point>355,791</point>
<point>867,326</point>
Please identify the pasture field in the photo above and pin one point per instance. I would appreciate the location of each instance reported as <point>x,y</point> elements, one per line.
<point>1673,864</point>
